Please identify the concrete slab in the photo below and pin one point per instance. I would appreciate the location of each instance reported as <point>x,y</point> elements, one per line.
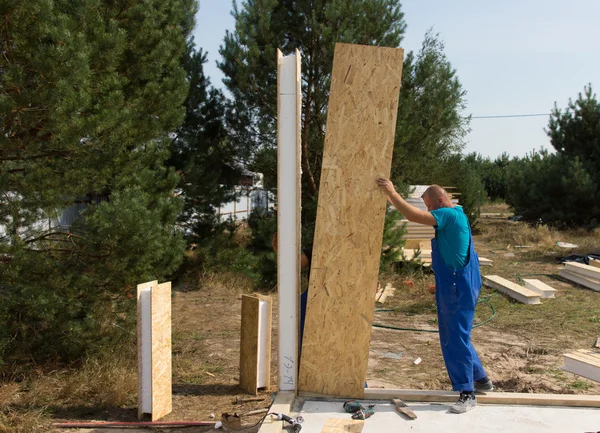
<point>433,417</point>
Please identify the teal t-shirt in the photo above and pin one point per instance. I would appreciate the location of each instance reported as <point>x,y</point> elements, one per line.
<point>453,235</point>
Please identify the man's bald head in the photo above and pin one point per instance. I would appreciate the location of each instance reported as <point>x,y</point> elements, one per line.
<point>436,197</point>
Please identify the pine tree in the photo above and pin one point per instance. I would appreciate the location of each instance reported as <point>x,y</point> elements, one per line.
<point>575,132</point>
<point>88,94</point>
<point>202,153</point>
<point>573,173</point>
<point>250,67</point>
<point>431,125</point>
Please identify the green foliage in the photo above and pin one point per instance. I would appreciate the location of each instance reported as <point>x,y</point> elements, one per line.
<point>393,240</point>
<point>88,95</point>
<point>459,172</point>
<point>572,174</point>
<point>493,174</point>
<point>430,124</point>
<point>536,181</point>
<point>250,68</point>
<point>263,226</point>
<point>202,153</point>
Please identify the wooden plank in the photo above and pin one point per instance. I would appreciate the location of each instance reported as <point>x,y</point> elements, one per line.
<point>342,425</point>
<point>403,409</point>
<point>540,287</point>
<point>511,289</point>
<point>583,270</point>
<point>162,388</point>
<point>595,263</point>
<point>591,357</point>
<point>289,111</point>
<point>584,363</point>
<point>388,291</point>
<point>581,280</point>
<point>361,125</point>
<point>515,398</point>
<point>485,262</point>
<point>282,404</point>
<point>249,344</point>
<point>487,398</point>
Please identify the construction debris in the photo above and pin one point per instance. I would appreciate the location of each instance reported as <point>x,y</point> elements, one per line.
<point>382,295</point>
<point>403,408</point>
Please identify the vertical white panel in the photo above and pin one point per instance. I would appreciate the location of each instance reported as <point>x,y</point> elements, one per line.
<point>288,213</point>
<point>263,330</point>
<point>146,364</point>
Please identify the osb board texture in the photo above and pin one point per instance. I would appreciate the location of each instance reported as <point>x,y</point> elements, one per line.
<point>361,124</point>
<point>162,390</point>
<point>338,425</point>
<point>249,344</point>
<point>140,288</point>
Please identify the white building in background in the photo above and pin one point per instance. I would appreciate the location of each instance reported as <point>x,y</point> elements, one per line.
<point>249,195</point>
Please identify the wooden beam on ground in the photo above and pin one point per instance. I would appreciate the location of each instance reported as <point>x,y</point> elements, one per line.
<point>514,398</point>
<point>586,271</point>
<point>289,111</point>
<point>282,404</point>
<point>540,287</point>
<point>584,363</point>
<point>595,263</point>
<point>361,125</point>
<point>518,293</point>
<point>580,279</point>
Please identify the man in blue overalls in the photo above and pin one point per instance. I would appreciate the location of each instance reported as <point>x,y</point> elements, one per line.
<point>458,282</point>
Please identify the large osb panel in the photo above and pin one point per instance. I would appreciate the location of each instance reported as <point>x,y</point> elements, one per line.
<point>361,124</point>
<point>249,344</point>
<point>162,391</point>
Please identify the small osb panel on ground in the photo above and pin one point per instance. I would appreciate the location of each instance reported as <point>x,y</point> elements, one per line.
<point>337,425</point>
<point>249,344</point>
<point>361,125</point>
<point>162,398</point>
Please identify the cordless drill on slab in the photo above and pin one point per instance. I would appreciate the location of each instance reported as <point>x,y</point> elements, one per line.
<point>358,410</point>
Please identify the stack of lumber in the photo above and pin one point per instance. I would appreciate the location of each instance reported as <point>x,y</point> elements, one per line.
<point>584,363</point>
<point>585,275</point>
<point>425,257</point>
<point>518,293</point>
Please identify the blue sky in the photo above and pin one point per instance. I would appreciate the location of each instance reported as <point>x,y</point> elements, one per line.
<point>512,57</point>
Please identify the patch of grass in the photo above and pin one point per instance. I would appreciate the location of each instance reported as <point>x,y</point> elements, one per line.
<point>530,369</point>
<point>594,319</point>
<point>109,381</point>
<point>579,385</point>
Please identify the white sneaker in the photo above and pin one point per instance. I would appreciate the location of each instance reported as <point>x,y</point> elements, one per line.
<point>466,401</point>
<point>484,387</point>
